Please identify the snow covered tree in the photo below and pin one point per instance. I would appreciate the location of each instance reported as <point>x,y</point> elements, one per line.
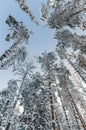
<point>19,34</point>
<point>71,116</point>
<point>34,99</point>
<point>24,70</point>
<point>26,9</point>
<point>35,102</point>
<point>63,16</point>
<point>44,10</point>
<point>62,53</point>
<point>66,13</point>
<point>41,112</point>
<point>76,43</point>
<point>47,61</point>
<point>7,98</point>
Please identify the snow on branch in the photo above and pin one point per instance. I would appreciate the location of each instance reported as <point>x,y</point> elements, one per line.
<point>19,34</point>
<point>25,8</point>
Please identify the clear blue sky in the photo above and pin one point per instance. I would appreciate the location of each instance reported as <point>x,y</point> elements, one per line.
<point>41,40</point>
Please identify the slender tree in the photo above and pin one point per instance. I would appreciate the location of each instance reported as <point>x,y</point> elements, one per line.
<point>26,9</point>
<point>41,113</point>
<point>19,35</point>
<point>47,61</point>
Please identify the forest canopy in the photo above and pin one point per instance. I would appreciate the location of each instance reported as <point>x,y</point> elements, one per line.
<point>50,93</point>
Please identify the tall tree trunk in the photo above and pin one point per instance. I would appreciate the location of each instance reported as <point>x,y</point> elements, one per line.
<point>78,113</point>
<point>77,70</point>
<point>52,108</point>
<point>64,109</point>
<point>73,109</point>
<point>75,114</point>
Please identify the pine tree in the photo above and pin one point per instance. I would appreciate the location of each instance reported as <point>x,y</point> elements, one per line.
<point>41,114</point>
<point>24,70</point>
<point>63,16</point>
<point>47,61</point>
<point>19,34</point>
<point>67,13</point>
<point>74,119</point>
<point>7,98</point>
<point>76,43</point>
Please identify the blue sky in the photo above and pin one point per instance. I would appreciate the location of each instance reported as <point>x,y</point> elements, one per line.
<point>41,40</point>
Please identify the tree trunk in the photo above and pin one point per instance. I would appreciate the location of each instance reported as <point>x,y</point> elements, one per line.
<point>64,109</point>
<point>74,108</point>
<point>78,113</point>
<point>77,70</point>
<point>52,108</point>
